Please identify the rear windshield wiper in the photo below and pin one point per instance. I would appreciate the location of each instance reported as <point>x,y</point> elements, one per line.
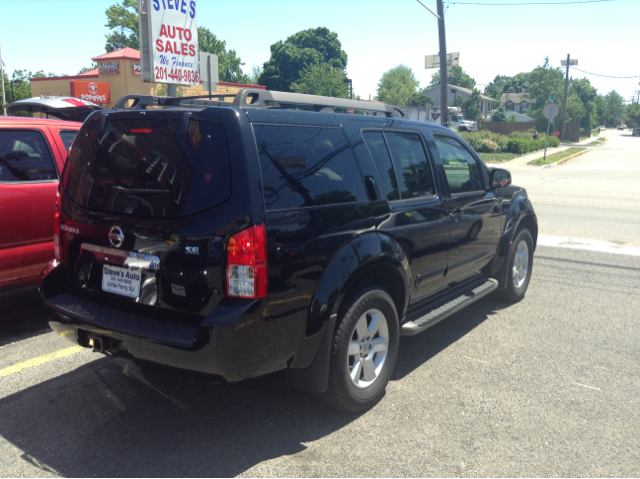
<point>140,191</point>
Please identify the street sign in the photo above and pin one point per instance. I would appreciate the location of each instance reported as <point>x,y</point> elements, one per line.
<point>433,61</point>
<point>550,111</point>
<point>552,97</point>
<point>209,71</point>
<point>572,62</point>
<point>168,41</point>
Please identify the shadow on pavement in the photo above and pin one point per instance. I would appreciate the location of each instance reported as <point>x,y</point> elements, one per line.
<point>22,314</point>
<point>417,350</point>
<point>109,418</point>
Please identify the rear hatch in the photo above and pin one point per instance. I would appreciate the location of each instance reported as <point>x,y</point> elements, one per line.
<point>61,107</point>
<point>145,213</point>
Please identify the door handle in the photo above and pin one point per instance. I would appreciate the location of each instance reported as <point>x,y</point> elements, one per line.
<point>455,213</point>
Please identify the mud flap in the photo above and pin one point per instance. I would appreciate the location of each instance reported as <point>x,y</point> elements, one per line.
<point>315,378</point>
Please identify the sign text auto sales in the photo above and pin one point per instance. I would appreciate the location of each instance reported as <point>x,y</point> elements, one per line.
<point>173,45</point>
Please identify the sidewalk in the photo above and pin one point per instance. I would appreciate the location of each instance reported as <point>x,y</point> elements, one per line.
<point>521,161</point>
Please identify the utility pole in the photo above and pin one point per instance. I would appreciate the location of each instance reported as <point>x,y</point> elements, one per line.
<point>444,95</point>
<point>564,104</point>
<point>172,90</point>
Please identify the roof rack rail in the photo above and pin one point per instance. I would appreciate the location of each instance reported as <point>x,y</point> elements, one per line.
<point>259,99</point>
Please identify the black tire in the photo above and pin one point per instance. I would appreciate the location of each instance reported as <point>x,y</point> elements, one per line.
<point>516,287</point>
<point>355,395</point>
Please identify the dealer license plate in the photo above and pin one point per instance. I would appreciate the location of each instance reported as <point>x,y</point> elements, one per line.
<point>123,281</point>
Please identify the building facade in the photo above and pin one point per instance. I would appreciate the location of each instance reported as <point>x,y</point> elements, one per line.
<point>117,73</point>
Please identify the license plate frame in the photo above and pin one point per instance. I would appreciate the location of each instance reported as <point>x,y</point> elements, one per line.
<point>121,281</point>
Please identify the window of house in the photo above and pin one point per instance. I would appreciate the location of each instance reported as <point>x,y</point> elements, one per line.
<point>307,166</point>
<point>523,106</point>
<point>25,156</point>
<point>461,169</point>
<point>510,106</point>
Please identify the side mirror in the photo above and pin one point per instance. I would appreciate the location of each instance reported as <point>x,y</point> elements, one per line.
<point>500,177</point>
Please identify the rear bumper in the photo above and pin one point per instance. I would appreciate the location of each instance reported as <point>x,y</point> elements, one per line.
<point>236,341</point>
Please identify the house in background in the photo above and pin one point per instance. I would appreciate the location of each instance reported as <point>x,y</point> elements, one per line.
<point>485,104</point>
<point>516,102</point>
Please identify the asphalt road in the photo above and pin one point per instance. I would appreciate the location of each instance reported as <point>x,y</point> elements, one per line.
<point>549,386</point>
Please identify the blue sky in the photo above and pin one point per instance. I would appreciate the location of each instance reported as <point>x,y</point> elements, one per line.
<point>61,36</point>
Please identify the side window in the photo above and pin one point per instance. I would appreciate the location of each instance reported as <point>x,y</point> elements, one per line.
<point>462,170</point>
<point>411,164</point>
<point>307,166</point>
<point>67,138</point>
<point>378,149</point>
<point>24,156</point>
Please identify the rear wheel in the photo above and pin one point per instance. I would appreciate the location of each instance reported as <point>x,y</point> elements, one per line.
<point>520,265</point>
<point>364,351</point>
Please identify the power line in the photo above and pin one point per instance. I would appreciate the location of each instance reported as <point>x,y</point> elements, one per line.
<point>605,76</point>
<point>530,3</point>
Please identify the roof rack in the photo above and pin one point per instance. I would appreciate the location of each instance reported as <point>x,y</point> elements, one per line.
<point>259,99</point>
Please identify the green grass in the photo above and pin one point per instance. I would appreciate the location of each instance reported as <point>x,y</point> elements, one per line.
<point>597,142</point>
<point>556,157</point>
<point>498,157</point>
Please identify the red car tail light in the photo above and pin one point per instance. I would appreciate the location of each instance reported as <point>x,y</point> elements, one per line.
<point>247,264</point>
<point>57,221</point>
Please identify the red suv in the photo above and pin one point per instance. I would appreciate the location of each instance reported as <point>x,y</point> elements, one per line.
<point>32,155</point>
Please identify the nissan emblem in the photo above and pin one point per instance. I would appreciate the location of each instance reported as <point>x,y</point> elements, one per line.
<point>116,236</point>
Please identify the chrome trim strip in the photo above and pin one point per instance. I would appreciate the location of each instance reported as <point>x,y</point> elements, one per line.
<point>130,259</point>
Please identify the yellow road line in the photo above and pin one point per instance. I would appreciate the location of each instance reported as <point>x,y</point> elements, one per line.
<point>30,363</point>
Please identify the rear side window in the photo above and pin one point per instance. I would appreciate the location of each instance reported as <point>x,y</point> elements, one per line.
<point>167,168</point>
<point>306,166</point>
<point>411,164</point>
<point>25,157</point>
<point>378,149</point>
<point>67,138</point>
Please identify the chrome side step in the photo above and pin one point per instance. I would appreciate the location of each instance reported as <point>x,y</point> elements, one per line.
<point>441,311</point>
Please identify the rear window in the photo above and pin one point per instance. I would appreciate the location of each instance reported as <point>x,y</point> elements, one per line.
<point>167,168</point>
<point>307,166</point>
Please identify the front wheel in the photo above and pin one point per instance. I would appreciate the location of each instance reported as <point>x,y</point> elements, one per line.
<point>520,266</point>
<point>364,351</point>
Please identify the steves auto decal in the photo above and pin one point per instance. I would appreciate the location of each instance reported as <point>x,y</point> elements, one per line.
<point>174,41</point>
<point>95,92</point>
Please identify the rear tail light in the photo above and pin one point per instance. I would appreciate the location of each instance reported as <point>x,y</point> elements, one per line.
<point>57,220</point>
<point>247,264</point>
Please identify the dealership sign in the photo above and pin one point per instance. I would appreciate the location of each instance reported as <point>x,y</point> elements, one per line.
<point>169,41</point>
<point>95,92</point>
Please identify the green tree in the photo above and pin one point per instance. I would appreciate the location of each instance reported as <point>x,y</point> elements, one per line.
<point>470,106</point>
<point>21,90</point>
<point>123,18</point>
<point>417,99</point>
<point>496,87</point>
<point>614,107</point>
<point>229,64</point>
<point>455,76</point>
<point>308,47</point>
<point>256,71</point>
<point>587,93</point>
<point>499,114</point>
<point>398,86</point>
<point>632,115</point>
<point>87,69</point>
<point>322,79</point>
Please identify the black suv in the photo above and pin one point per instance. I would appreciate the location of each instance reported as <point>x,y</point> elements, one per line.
<point>277,231</point>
